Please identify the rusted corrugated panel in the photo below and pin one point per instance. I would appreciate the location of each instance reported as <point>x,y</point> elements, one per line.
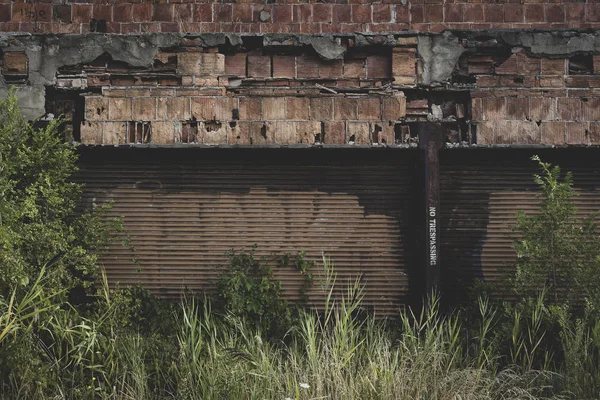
<point>185,209</point>
<point>482,190</point>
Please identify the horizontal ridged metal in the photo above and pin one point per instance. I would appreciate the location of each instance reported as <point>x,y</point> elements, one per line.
<point>481,192</point>
<point>185,209</point>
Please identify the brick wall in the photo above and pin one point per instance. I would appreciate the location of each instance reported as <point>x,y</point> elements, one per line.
<point>339,16</point>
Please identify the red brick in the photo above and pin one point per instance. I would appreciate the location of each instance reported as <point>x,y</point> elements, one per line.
<point>341,13</point>
<point>553,67</point>
<point>578,81</point>
<point>296,108</point>
<point>527,65</point>
<point>514,13</point>
<point>345,108</point>
<point>508,67</point>
<point>403,14</point>
<point>594,133</point>
<point>493,13</point>
<point>31,12</point>
<point>382,13</point>
<point>273,108</point>
<point>170,27</point>
<point>284,66</point>
<point>307,66</point>
<point>355,69</point>
<point>235,64</point>
<point>534,13</point>
<point>592,12</point>
<point>335,132</point>
<point>242,13</point>
<point>393,108</point>
<point>378,67</point>
<point>575,12</point>
<point>494,109</point>
<point>223,12</point>
<point>61,13</point>
<point>553,133</point>
<point>417,14</point>
<point>542,109</point>
<point>282,13</point>
<point>5,13</point>
<point>330,69</point>
<point>203,13</point>
<point>359,133</point>
<point>321,108</point>
<point>591,109</point>
<point>302,13</point>
<point>516,108</point>
<point>322,13</point>
<point>403,62</point>
<point>141,12</point>
<point>473,13</point>
<point>577,133</point>
<point>454,12</point>
<point>555,12</point>
<point>569,109</point>
<point>259,66</point>
<point>162,12</point>
<point>130,28</point>
<point>552,81</point>
<point>369,108</point>
<point>183,13</point>
<point>361,13</point>
<point>250,108</point>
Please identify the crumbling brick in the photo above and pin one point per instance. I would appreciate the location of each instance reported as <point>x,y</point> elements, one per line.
<point>394,108</point>
<point>114,133</point>
<point>203,108</point>
<point>14,63</point>
<point>358,133</point>
<point>262,132</point>
<point>308,132</point>
<point>213,132</point>
<point>119,109</point>
<point>96,108</point>
<point>240,135</point>
<point>224,108</point>
<point>554,67</point>
<point>91,132</point>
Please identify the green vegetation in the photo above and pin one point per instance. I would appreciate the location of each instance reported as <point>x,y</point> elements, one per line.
<point>64,337</point>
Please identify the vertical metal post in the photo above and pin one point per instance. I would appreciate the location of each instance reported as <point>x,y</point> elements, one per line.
<point>431,141</point>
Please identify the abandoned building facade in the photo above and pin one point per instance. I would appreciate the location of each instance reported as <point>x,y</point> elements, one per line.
<point>392,136</point>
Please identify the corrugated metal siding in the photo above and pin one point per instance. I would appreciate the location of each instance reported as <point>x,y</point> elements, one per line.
<point>184,209</point>
<point>481,193</point>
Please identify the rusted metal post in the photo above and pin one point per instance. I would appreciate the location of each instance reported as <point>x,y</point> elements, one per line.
<point>431,141</point>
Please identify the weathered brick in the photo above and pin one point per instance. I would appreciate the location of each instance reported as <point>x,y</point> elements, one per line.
<point>273,108</point>
<point>369,108</point>
<point>307,67</point>
<point>284,66</point>
<point>527,65</point>
<point>259,66</point>
<point>355,69</point>
<point>528,132</point>
<point>485,132</point>
<point>119,109</point>
<point>240,134</point>
<point>144,108</point>
<point>359,133</point>
<point>378,67</point>
<point>96,108</point>
<point>212,64</point>
<point>250,108</point>
<point>224,107</point>
<point>330,69</point>
<point>394,108</point>
<point>577,133</point>
<point>494,109</point>
<point>569,109</point>
<point>286,132</point>
<point>213,133</point>
<point>334,132</point>
<point>553,67</point>
<point>114,133</point>
<point>235,64</point>
<point>262,132</point>
<point>345,108</point>
<point>178,108</point>
<point>516,108</point>
<point>321,108</point>
<point>476,109</point>
<point>162,12</point>
<point>591,109</point>
<point>296,108</point>
<point>14,63</point>
<point>91,132</point>
<point>308,131</point>
<point>188,63</point>
<point>594,133</point>
<point>163,132</point>
<point>505,132</point>
<point>203,108</point>
<point>553,133</point>
<point>542,109</point>
<point>508,67</point>
<point>403,62</point>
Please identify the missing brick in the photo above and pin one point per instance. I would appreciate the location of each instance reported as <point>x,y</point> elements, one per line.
<point>98,25</point>
<point>403,134</point>
<point>139,132</point>
<point>212,126</point>
<point>581,64</point>
<point>68,105</point>
<point>263,131</point>
<point>189,131</point>
<point>377,135</point>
